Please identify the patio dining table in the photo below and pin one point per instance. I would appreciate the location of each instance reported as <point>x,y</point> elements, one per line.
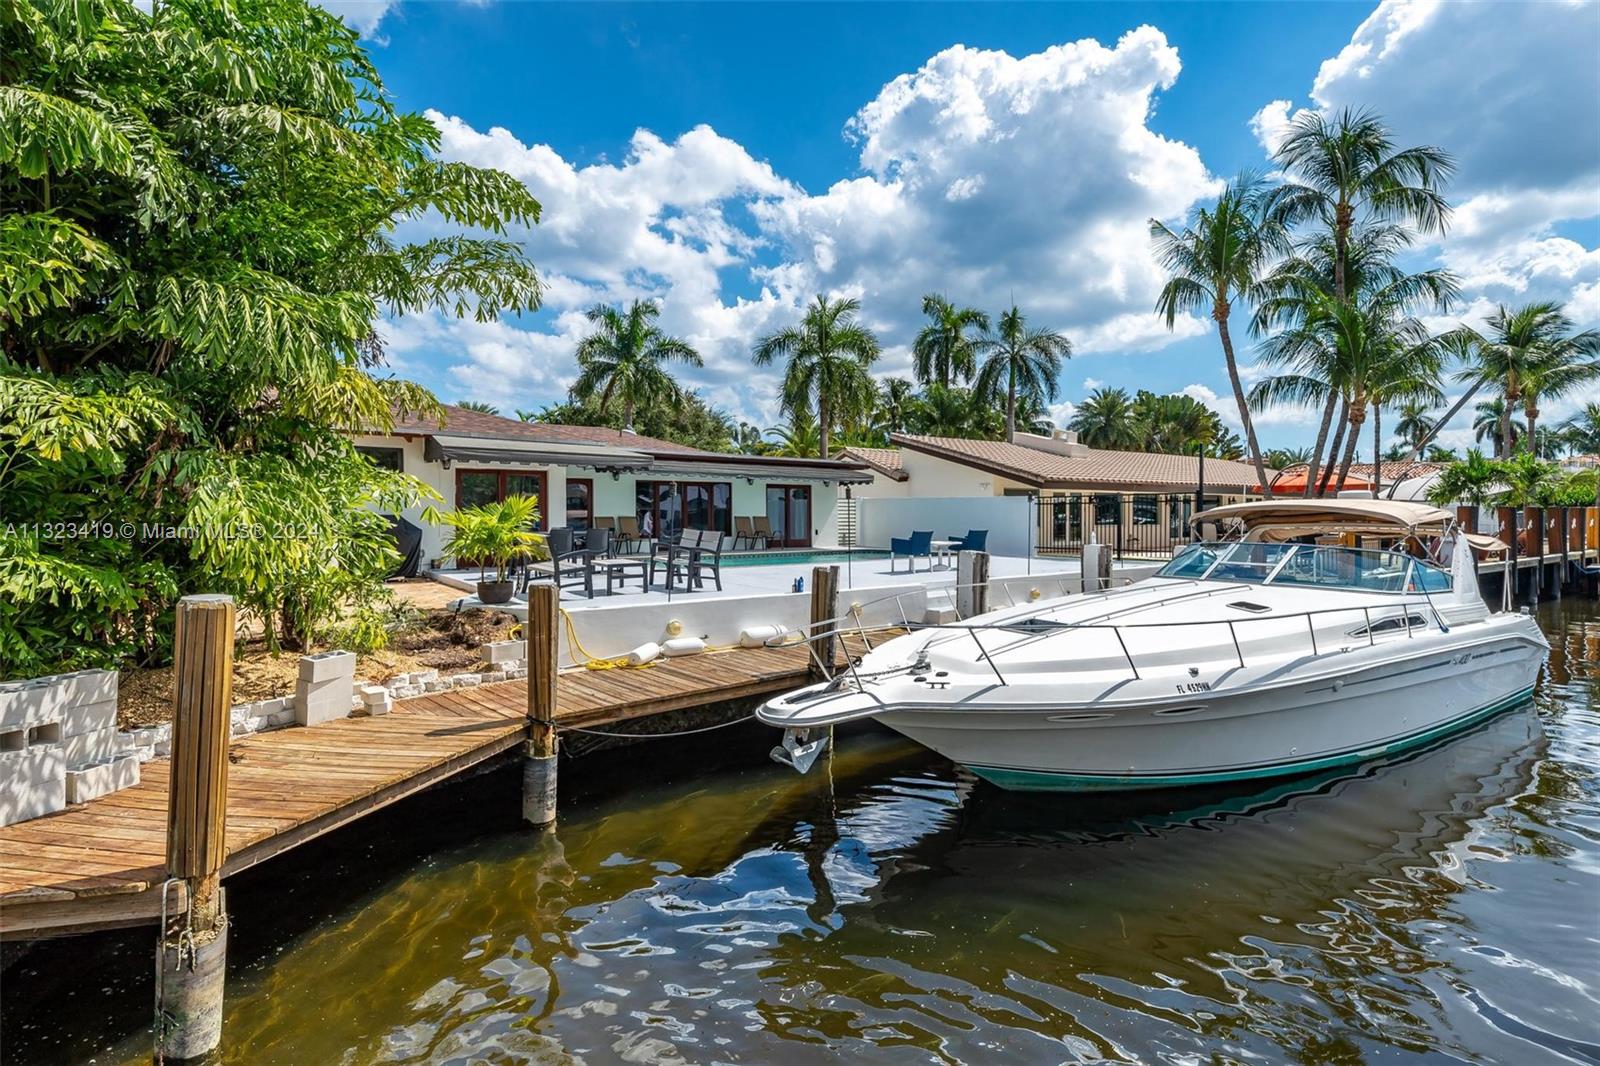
<point>616,571</point>
<point>943,549</point>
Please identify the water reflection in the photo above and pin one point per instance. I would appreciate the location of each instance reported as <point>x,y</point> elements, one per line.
<point>890,908</point>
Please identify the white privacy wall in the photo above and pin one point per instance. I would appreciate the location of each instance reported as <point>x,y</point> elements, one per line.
<point>1006,518</point>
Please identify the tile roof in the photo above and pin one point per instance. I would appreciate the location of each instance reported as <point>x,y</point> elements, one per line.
<point>1393,470</point>
<point>458,421</point>
<point>885,461</point>
<point>1100,467</point>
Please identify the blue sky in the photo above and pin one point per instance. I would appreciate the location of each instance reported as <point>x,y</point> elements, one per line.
<point>729,160</point>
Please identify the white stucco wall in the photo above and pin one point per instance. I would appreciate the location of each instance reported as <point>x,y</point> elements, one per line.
<point>882,487</point>
<point>1005,517</point>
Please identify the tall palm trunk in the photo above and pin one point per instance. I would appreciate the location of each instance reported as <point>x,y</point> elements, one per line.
<point>1220,313</point>
<point>1427,438</point>
<point>1322,438</point>
<point>1358,415</point>
<point>1377,449</point>
<point>1512,397</point>
<point>1011,403</point>
<point>1336,449</point>
<point>823,423</point>
<point>1530,408</point>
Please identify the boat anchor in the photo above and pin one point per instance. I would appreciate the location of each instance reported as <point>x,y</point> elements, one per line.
<point>797,750</point>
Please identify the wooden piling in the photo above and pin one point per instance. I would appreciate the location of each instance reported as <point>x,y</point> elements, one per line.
<point>824,609</point>
<point>191,955</point>
<point>539,753</point>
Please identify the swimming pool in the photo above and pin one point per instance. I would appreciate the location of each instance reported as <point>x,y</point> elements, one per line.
<point>801,556</point>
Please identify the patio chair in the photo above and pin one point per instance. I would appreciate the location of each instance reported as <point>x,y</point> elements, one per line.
<point>568,565</point>
<point>664,554</point>
<point>919,543</point>
<point>627,532</point>
<point>705,555</point>
<point>744,529</point>
<point>763,530</point>
<point>976,540</point>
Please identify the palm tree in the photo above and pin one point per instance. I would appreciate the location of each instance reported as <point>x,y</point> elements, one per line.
<point>827,357</point>
<point>1174,423</point>
<point>1216,260</point>
<point>1582,430</point>
<point>1020,362</point>
<point>799,439</point>
<point>1488,422</point>
<point>895,397</point>
<point>621,362</point>
<point>1345,170</point>
<point>1413,425</point>
<point>1468,482</point>
<point>747,439</point>
<point>479,406</point>
<point>1282,458</point>
<point>1107,419</point>
<point>942,412</point>
<point>944,352</point>
<point>1520,346</point>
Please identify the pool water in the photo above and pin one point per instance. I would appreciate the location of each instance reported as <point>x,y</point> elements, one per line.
<point>801,557</point>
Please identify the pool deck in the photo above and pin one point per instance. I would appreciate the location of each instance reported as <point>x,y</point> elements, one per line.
<point>779,577</point>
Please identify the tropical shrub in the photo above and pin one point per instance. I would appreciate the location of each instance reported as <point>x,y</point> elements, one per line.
<point>492,533</point>
<point>196,240</point>
<point>1470,481</point>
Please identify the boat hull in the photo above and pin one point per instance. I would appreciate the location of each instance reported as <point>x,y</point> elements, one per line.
<point>1245,735</point>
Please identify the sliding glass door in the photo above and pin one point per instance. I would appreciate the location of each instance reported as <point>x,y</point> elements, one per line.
<point>789,513</point>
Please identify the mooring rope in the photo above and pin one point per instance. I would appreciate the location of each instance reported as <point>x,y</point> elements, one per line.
<point>641,736</point>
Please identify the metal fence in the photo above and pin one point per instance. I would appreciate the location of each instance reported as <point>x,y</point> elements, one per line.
<point>1134,525</point>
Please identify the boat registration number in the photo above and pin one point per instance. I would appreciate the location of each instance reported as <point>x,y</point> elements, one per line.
<point>1195,686</point>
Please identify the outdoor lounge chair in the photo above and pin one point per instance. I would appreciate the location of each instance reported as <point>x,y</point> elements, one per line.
<point>763,530</point>
<point>745,529</point>
<point>920,543</point>
<point>627,532</point>
<point>974,541</point>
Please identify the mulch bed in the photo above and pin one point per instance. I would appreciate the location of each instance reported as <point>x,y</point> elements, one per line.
<point>440,640</point>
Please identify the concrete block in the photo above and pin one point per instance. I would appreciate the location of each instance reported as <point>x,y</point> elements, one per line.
<point>278,719</point>
<point>422,677</point>
<point>405,692</point>
<point>521,671</point>
<point>102,779</point>
<point>24,702</point>
<point>500,651</point>
<point>96,746</point>
<point>940,616</point>
<point>464,680</point>
<point>245,726</point>
<point>89,686</point>
<point>35,783</point>
<point>87,717</point>
<point>371,693</point>
<point>322,701</point>
<point>327,665</point>
<point>438,684</point>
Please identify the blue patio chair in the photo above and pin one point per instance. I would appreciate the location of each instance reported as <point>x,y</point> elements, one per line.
<point>919,543</point>
<point>975,541</point>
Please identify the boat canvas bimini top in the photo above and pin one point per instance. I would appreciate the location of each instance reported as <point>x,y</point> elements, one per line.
<point>1307,634</point>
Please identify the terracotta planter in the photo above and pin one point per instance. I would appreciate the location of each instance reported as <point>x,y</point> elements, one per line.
<point>1533,533</point>
<point>495,591</point>
<point>1468,517</point>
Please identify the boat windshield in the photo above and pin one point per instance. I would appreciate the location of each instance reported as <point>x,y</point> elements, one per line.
<point>1258,562</point>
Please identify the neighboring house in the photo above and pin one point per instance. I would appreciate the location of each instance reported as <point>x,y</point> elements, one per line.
<point>1072,481</point>
<point>1412,478</point>
<point>580,473</point>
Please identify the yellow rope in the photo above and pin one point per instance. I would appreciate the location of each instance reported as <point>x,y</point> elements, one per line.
<point>595,662</point>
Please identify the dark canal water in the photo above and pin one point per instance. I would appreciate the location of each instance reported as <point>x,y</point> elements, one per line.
<point>700,905</point>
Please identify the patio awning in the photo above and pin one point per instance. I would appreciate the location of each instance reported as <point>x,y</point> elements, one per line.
<point>781,472</point>
<point>484,450</point>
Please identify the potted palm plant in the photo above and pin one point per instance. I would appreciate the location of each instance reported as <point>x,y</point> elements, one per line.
<point>1468,484</point>
<point>492,534</point>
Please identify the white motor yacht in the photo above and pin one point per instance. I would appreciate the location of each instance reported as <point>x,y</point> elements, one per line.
<point>1324,633</point>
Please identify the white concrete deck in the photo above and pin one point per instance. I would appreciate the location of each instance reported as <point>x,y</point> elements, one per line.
<point>778,578</point>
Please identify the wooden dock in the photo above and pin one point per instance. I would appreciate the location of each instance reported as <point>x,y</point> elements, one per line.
<point>102,865</point>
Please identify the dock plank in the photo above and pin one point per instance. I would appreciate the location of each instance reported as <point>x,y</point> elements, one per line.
<point>101,864</point>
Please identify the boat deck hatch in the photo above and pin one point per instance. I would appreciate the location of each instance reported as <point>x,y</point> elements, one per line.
<point>1253,608</point>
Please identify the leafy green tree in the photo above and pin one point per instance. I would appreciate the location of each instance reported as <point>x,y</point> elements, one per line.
<point>1020,362</point>
<point>945,351</point>
<point>1470,481</point>
<point>799,439</point>
<point>826,363</point>
<point>687,420</point>
<point>1413,425</point>
<point>1108,418</point>
<point>198,236</point>
<point>1283,458</point>
<point>1526,480</point>
<point>1582,430</point>
<point>1490,420</point>
<point>1174,423</point>
<point>479,406</point>
<point>624,360</point>
<point>1216,260</point>
<point>942,412</point>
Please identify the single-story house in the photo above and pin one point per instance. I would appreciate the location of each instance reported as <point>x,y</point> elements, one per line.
<point>1071,481</point>
<point>581,473</point>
